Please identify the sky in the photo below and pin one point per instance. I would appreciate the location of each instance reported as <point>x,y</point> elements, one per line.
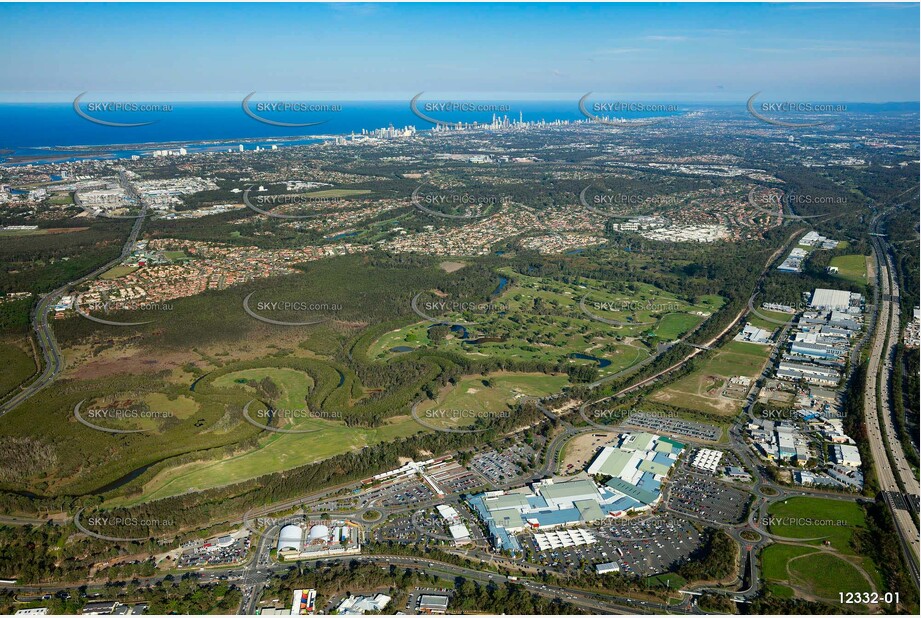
<point>661,52</point>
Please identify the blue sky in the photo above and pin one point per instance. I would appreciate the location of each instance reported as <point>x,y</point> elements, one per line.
<point>680,52</point>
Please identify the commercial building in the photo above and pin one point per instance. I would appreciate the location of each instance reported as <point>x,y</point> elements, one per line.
<point>563,538</point>
<point>753,334</point>
<point>637,466</point>
<point>355,605</point>
<point>432,604</point>
<point>607,567</point>
<point>321,538</point>
<point>303,602</point>
<point>707,459</point>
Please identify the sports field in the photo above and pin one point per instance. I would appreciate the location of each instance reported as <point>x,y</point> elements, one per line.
<point>705,389</point>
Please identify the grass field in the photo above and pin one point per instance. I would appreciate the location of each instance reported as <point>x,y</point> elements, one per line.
<point>798,571</point>
<point>176,256</point>
<point>672,580</point>
<point>293,385</point>
<point>756,320</point>
<point>480,397</point>
<point>276,453</point>
<point>815,569</point>
<point>17,367</point>
<point>117,271</point>
<point>702,389</point>
<point>851,268</point>
<point>826,575</point>
<point>806,518</point>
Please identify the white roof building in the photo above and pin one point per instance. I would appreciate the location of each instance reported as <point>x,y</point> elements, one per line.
<point>359,605</point>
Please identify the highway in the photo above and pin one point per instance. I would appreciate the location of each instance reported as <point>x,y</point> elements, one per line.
<point>877,405</point>
<point>52,360</point>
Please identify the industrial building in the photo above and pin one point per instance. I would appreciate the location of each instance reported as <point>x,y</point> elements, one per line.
<point>835,300</point>
<point>846,455</point>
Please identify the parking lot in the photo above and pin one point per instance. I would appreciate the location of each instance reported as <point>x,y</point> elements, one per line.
<point>642,547</point>
<point>675,426</point>
<point>711,500</point>
<point>213,555</point>
<point>496,467</point>
<point>452,478</point>
<point>408,491</point>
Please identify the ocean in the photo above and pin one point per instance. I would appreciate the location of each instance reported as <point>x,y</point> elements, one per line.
<point>54,131</point>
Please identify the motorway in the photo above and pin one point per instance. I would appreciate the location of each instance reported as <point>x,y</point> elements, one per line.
<point>52,360</point>
<point>882,437</point>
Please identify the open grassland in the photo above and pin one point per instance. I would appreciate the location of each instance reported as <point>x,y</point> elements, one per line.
<point>704,389</point>
<point>851,268</point>
<point>276,453</point>
<point>293,385</point>
<point>461,404</point>
<point>117,271</point>
<point>813,573</point>
<point>756,320</point>
<point>805,517</point>
<point>826,575</point>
